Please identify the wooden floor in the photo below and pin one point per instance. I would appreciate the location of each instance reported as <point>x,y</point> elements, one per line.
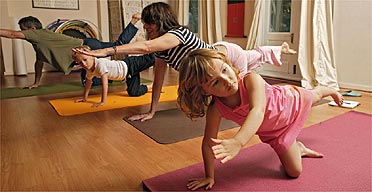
<point>42,151</point>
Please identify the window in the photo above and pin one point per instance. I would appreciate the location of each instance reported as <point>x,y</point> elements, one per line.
<point>280,17</point>
<point>193,16</point>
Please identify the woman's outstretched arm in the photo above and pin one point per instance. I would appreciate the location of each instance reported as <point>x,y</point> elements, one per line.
<point>164,42</point>
<point>159,67</point>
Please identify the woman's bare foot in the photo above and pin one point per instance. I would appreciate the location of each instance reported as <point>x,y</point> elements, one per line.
<point>135,18</point>
<point>306,152</point>
<point>287,50</point>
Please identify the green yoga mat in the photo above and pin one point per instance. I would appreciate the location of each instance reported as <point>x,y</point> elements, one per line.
<point>15,92</point>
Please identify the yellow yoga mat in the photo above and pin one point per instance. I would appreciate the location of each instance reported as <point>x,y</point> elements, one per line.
<point>68,107</point>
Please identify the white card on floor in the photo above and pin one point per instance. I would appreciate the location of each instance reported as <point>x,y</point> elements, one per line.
<point>346,104</point>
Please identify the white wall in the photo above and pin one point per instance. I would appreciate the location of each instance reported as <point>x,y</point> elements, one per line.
<point>352,32</point>
<point>353,43</point>
<point>94,11</point>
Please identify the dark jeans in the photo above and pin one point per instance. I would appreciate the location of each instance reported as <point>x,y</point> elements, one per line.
<point>124,38</point>
<point>136,64</point>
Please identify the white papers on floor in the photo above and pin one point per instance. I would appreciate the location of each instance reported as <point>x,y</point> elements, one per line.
<point>346,104</point>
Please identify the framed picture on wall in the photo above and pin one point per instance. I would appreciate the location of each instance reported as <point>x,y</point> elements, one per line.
<point>56,4</point>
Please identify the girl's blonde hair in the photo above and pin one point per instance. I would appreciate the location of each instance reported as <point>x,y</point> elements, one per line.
<point>194,71</point>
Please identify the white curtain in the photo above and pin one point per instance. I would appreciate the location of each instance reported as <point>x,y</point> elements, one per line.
<point>255,33</point>
<point>210,21</point>
<point>182,8</point>
<point>19,57</point>
<point>316,45</point>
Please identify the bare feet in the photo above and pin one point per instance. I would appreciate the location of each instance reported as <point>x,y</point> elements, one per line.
<point>135,18</point>
<point>287,50</point>
<point>306,152</point>
<point>31,86</point>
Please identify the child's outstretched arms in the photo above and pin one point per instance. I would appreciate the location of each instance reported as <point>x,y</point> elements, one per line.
<point>227,149</point>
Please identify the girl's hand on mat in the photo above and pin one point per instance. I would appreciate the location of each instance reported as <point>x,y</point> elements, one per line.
<point>195,184</point>
<point>98,104</point>
<point>80,100</point>
<point>225,149</point>
<point>142,117</point>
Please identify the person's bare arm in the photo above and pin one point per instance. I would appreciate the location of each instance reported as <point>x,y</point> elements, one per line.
<point>12,34</point>
<point>257,104</point>
<point>88,85</point>
<point>213,120</point>
<point>229,148</point>
<point>164,42</point>
<point>38,72</point>
<point>159,67</point>
<point>104,80</point>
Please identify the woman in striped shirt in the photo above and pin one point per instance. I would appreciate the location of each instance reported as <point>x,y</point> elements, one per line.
<point>171,41</point>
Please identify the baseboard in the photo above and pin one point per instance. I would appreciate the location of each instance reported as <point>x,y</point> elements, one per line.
<point>355,87</point>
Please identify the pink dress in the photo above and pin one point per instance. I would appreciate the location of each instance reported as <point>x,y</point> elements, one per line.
<point>246,60</point>
<point>286,110</point>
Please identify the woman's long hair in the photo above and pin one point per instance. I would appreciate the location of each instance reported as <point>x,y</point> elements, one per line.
<point>162,15</point>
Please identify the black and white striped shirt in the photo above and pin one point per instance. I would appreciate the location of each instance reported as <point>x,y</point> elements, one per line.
<point>189,42</point>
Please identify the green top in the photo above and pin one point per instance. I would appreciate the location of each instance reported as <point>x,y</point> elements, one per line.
<point>53,48</point>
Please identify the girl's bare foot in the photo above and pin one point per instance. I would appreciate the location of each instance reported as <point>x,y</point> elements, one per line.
<point>306,152</point>
<point>287,50</point>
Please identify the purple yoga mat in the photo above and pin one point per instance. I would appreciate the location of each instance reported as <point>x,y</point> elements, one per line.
<point>345,140</point>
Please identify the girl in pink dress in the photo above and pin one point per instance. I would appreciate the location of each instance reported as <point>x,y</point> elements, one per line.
<point>210,86</point>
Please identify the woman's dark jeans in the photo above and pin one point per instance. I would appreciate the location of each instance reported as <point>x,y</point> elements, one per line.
<point>124,38</point>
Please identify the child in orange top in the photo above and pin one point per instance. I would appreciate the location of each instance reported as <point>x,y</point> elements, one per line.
<point>210,86</point>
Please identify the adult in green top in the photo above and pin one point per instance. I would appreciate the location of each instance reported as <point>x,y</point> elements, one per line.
<point>55,48</point>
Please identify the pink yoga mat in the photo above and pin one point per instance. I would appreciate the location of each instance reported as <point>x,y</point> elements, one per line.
<point>345,141</point>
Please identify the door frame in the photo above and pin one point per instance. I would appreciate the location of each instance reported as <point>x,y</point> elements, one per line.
<point>290,67</point>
